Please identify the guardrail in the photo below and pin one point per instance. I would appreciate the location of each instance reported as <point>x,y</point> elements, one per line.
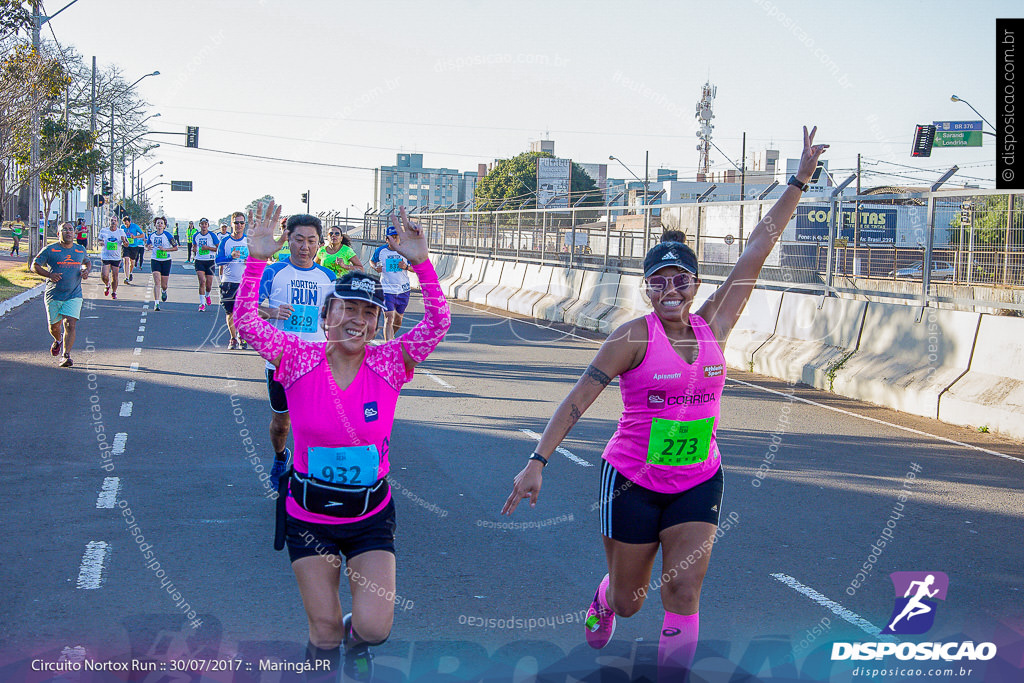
<point>925,247</point>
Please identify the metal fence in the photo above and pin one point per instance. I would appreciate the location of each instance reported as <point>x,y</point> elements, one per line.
<point>959,248</point>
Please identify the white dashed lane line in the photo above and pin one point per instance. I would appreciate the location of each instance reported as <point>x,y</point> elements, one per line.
<point>564,451</point>
<point>120,440</point>
<point>837,609</point>
<point>126,409</point>
<point>134,367</point>
<point>129,387</point>
<point>437,379</point>
<point>108,494</point>
<point>90,573</point>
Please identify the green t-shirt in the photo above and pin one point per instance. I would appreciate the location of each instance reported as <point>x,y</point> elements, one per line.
<point>330,261</point>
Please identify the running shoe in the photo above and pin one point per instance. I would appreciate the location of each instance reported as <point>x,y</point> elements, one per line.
<point>278,468</point>
<point>66,363</point>
<point>163,295</point>
<point>156,306</point>
<point>131,278</point>
<point>208,302</point>
<point>600,623</point>
<point>55,348</point>
<point>358,658</point>
<point>202,307</point>
<point>242,343</point>
<point>106,292</point>
<point>233,344</point>
<point>127,280</point>
<point>114,295</point>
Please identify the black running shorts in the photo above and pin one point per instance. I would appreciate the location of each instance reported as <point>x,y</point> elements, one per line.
<point>373,533</point>
<point>278,401</point>
<point>631,513</point>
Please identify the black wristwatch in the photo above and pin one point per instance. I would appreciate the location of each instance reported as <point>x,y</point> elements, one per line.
<point>537,456</point>
<point>803,187</point>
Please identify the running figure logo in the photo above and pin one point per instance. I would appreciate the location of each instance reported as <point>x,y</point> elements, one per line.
<point>914,612</point>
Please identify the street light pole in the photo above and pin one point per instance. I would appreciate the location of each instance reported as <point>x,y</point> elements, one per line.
<point>954,98</point>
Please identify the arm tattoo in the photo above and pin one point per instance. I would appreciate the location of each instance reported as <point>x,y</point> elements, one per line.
<point>596,375</point>
<point>574,415</point>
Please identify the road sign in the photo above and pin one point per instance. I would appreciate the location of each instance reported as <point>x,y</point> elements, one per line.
<point>968,138</point>
<point>181,186</point>
<point>192,136</point>
<point>942,126</point>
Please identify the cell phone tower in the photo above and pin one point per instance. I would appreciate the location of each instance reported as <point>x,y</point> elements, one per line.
<point>704,116</point>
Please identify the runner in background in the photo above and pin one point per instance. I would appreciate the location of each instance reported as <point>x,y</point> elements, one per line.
<point>82,234</point>
<point>162,244</point>
<point>135,251</point>
<point>113,240</point>
<point>65,264</point>
<point>392,267</point>
<point>232,253</point>
<point>16,232</point>
<point>338,255</point>
<point>292,294</point>
<point>661,481</point>
<point>189,234</point>
<point>205,243</point>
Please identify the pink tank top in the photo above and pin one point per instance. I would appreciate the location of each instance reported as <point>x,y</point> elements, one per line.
<point>666,438</point>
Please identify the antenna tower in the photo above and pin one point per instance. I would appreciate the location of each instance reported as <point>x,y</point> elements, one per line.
<point>704,116</point>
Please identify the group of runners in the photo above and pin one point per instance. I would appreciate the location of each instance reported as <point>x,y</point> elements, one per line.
<point>336,391</point>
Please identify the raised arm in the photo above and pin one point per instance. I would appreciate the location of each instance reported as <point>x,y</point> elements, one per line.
<point>422,339</point>
<point>724,307</point>
<point>617,355</point>
<point>268,341</point>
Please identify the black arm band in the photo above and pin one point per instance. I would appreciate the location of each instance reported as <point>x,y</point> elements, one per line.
<point>541,458</point>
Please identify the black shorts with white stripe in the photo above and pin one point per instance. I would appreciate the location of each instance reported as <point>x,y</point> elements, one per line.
<point>631,513</point>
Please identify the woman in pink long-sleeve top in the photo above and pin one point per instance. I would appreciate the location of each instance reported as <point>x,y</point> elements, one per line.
<point>342,395</point>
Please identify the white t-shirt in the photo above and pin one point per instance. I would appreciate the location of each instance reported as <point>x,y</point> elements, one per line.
<point>206,246</point>
<point>111,243</point>
<point>161,241</point>
<point>393,279</point>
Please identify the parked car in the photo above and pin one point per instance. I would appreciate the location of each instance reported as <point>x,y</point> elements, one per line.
<point>941,270</point>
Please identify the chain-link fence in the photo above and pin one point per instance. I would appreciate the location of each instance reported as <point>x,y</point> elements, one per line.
<point>926,246</point>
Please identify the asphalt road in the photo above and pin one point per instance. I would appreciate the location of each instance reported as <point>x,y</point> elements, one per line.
<point>478,596</point>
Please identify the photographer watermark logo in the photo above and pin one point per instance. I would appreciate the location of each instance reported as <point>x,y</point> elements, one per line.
<point>917,596</point>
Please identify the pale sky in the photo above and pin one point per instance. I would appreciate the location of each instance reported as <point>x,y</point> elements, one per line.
<point>354,83</point>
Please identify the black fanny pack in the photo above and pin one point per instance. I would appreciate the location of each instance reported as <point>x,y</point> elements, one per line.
<point>337,501</point>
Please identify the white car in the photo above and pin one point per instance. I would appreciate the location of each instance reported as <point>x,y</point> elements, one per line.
<point>941,270</point>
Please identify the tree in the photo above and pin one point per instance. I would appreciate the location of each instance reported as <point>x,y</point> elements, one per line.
<point>67,157</point>
<point>515,181</point>
<point>15,16</point>
<point>251,206</point>
<point>140,213</point>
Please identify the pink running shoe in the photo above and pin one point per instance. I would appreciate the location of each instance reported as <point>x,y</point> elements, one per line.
<point>600,623</point>
<point>208,302</point>
<point>202,307</point>
<point>106,291</point>
<point>114,295</point>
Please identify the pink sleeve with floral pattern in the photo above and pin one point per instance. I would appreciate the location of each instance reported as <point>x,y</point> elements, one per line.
<point>421,340</point>
<point>297,357</point>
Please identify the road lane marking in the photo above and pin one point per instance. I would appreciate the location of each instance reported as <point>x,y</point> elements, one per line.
<point>772,391</point>
<point>840,611</point>
<point>134,367</point>
<point>90,573</point>
<point>108,494</point>
<point>137,351</point>
<point>120,439</point>
<point>126,409</point>
<point>877,421</point>
<point>564,451</point>
<point>139,338</point>
<point>130,387</point>
<point>437,379</point>
<point>142,328</point>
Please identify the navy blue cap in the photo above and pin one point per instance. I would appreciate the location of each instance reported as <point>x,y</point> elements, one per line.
<point>358,287</point>
<point>666,254</point>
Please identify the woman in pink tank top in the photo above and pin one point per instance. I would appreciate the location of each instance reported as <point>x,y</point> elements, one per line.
<point>661,478</point>
<point>341,395</point>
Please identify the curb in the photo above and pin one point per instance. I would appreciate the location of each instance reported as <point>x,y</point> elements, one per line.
<point>15,301</point>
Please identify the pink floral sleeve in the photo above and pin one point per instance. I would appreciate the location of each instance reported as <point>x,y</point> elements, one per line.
<point>297,357</point>
<point>387,360</point>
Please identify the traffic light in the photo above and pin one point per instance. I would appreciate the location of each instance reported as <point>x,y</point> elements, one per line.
<point>192,136</point>
<point>106,188</point>
<point>924,138</point>
<point>98,200</point>
<point>305,197</point>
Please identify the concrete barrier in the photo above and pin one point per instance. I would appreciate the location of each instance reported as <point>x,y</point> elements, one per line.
<point>810,341</point>
<point>630,303</point>
<point>442,264</point>
<point>535,287</point>
<point>907,357</point>
<point>755,326</point>
<point>490,279</point>
<point>453,275</point>
<point>563,292</point>
<point>512,278</point>
<point>991,394</point>
<point>597,299</point>
<point>471,276</point>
